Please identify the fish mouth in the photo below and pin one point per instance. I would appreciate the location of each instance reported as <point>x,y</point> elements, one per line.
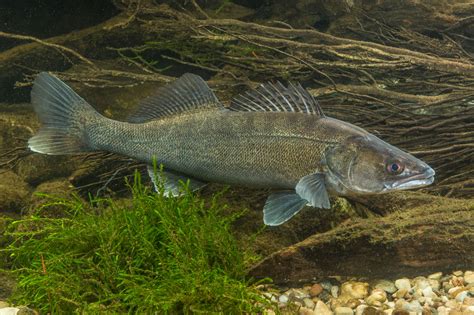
<point>419,180</point>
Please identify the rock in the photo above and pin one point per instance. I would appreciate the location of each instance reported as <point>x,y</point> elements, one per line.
<point>360,309</point>
<point>376,298</point>
<point>400,293</point>
<point>327,285</point>
<point>457,281</point>
<point>355,290</point>
<point>283,299</point>
<point>469,277</point>
<point>442,310</point>
<point>372,311</point>
<point>419,283</point>
<point>415,306</point>
<point>322,309</point>
<point>306,311</point>
<point>38,168</point>
<point>386,285</point>
<point>4,304</point>
<point>457,273</point>
<point>309,303</point>
<point>403,283</point>
<point>469,301</point>
<point>315,290</point>
<point>435,276</point>
<point>341,310</point>
<point>461,296</point>
<point>335,291</point>
<point>297,295</point>
<point>9,311</point>
<point>400,312</point>
<point>453,292</point>
<point>428,292</point>
<point>452,304</point>
<point>13,191</point>
<point>26,311</point>
<point>56,188</point>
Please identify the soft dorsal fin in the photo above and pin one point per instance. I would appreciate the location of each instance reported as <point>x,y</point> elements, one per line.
<point>189,92</point>
<point>271,97</point>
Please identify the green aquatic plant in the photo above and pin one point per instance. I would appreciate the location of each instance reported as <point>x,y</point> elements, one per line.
<point>150,254</point>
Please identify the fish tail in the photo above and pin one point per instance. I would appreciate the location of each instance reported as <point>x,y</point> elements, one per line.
<point>63,115</point>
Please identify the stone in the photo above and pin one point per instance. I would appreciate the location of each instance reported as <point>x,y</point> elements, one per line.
<point>469,301</point>
<point>401,293</point>
<point>376,298</point>
<point>457,281</point>
<point>452,304</point>
<point>315,290</point>
<point>386,285</point>
<point>9,311</point>
<point>342,310</point>
<point>453,292</point>
<point>458,273</point>
<point>428,292</point>
<point>469,277</point>
<point>309,303</point>
<point>4,304</point>
<point>306,311</point>
<point>442,310</point>
<point>419,283</point>
<point>24,310</point>
<point>355,290</point>
<point>283,299</point>
<point>360,309</point>
<point>403,283</point>
<point>414,306</point>
<point>322,309</point>
<point>372,311</point>
<point>335,291</point>
<point>13,191</point>
<point>461,296</point>
<point>38,168</point>
<point>400,312</point>
<point>435,276</point>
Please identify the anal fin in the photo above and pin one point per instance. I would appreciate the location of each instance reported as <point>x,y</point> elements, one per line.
<point>172,183</point>
<point>281,206</point>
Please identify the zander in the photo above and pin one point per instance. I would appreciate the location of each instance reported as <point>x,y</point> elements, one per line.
<point>273,137</point>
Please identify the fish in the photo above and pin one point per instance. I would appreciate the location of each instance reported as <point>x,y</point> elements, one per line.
<point>275,137</point>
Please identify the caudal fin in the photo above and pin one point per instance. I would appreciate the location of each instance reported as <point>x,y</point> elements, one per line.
<point>62,113</point>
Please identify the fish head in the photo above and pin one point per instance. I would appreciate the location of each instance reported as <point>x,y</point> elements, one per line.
<point>365,164</point>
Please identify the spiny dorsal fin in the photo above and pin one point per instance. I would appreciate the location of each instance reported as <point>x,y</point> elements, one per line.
<point>269,97</point>
<point>189,92</point>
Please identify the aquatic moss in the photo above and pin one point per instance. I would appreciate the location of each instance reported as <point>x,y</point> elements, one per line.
<point>151,254</point>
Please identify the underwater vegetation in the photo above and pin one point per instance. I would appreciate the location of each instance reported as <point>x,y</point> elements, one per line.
<point>152,254</point>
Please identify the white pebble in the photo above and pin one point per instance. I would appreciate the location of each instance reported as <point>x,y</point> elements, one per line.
<point>335,291</point>
<point>461,296</point>
<point>428,292</point>
<point>9,311</point>
<point>435,276</point>
<point>341,310</point>
<point>283,299</point>
<point>322,309</point>
<point>309,303</point>
<point>403,283</point>
<point>360,309</point>
<point>442,310</point>
<point>469,277</point>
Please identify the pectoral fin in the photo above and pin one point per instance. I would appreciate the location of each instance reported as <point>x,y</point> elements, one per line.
<point>172,182</point>
<point>281,206</point>
<point>313,189</point>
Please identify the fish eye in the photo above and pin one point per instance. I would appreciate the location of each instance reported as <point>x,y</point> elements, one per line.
<point>394,168</point>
